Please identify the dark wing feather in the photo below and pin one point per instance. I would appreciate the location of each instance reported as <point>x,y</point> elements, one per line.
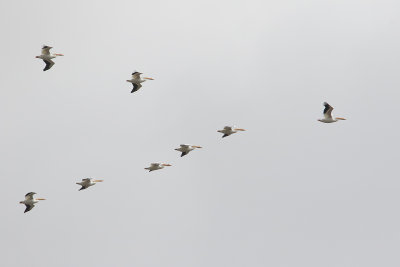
<point>327,107</point>
<point>135,87</point>
<point>184,153</point>
<point>28,208</point>
<point>49,64</point>
<point>225,135</point>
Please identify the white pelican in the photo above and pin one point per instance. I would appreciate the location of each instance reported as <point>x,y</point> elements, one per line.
<point>47,57</point>
<point>328,114</point>
<point>185,149</point>
<point>30,201</point>
<point>87,182</point>
<point>228,130</point>
<point>157,166</point>
<point>136,81</point>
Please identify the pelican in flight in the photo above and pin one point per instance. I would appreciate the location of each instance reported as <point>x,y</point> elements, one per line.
<point>136,81</point>
<point>87,182</point>
<point>47,57</point>
<point>185,149</point>
<point>328,114</point>
<point>228,130</point>
<point>157,166</point>
<point>30,201</point>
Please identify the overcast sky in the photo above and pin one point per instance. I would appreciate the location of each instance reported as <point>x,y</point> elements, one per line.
<point>290,191</point>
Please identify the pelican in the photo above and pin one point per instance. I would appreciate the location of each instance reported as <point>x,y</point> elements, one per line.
<point>47,57</point>
<point>87,182</point>
<point>30,201</point>
<point>328,114</point>
<point>157,166</point>
<point>185,149</point>
<point>228,130</point>
<point>136,81</point>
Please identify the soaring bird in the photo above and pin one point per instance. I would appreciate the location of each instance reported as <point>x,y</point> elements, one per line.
<point>30,201</point>
<point>87,182</point>
<point>136,81</point>
<point>228,130</point>
<point>47,57</point>
<point>157,166</point>
<point>185,149</point>
<point>328,114</point>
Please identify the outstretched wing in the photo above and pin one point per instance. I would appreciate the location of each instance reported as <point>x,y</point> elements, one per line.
<point>328,111</point>
<point>29,196</point>
<point>136,86</point>
<point>46,50</point>
<point>229,128</point>
<point>184,153</point>
<point>28,207</point>
<point>225,135</point>
<point>49,64</point>
<point>136,75</point>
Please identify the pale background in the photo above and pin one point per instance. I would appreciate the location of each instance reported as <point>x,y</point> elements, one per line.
<point>290,191</point>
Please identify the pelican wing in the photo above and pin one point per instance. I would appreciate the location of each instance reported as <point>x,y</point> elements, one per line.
<point>228,128</point>
<point>29,196</point>
<point>184,153</point>
<point>155,165</point>
<point>136,75</point>
<point>185,146</point>
<point>328,111</point>
<point>46,50</point>
<point>136,86</point>
<point>28,207</point>
<point>49,64</point>
<point>86,179</point>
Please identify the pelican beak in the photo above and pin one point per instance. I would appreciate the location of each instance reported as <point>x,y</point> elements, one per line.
<point>98,181</point>
<point>166,164</point>
<point>41,199</point>
<point>21,202</point>
<point>343,119</point>
<point>148,78</point>
<point>240,129</point>
<point>197,146</point>
<point>60,55</point>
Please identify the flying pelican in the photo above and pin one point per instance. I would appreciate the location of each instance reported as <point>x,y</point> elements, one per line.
<point>87,182</point>
<point>47,57</point>
<point>157,166</point>
<point>136,81</point>
<point>228,130</point>
<point>30,201</point>
<point>328,114</point>
<point>185,149</point>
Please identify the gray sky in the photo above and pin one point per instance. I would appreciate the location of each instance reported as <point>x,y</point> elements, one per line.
<point>288,192</point>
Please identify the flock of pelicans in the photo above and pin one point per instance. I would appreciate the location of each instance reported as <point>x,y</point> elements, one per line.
<point>137,81</point>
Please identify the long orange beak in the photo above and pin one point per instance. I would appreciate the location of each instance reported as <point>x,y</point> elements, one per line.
<point>197,146</point>
<point>148,78</point>
<point>98,181</point>
<point>167,165</point>
<point>343,119</point>
<point>240,129</point>
<point>60,55</point>
<point>40,199</point>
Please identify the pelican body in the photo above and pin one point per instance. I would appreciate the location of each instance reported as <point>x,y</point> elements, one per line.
<point>29,201</point>
<point>137,81</point>
<point>185,149</point>
<point>47,57</point>
<point>228,130</point>
<point>88,182</point>
<point>157,166</point>
<point>328,114</point>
